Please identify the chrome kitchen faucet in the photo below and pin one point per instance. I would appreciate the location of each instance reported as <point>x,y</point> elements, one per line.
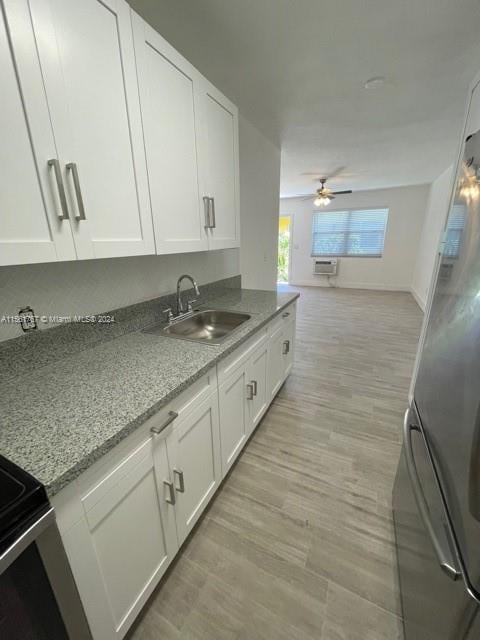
<point>180,308</point>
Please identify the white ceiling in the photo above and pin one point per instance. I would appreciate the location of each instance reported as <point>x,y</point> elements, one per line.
<point>297,69</point>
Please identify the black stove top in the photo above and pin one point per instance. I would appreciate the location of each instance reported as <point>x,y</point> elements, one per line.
<point>22,500</point>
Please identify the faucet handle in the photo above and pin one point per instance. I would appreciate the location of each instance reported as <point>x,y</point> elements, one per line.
<point>168,313</point>
<point>190,304</point>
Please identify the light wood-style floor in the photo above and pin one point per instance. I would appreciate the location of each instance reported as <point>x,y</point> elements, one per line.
<point>298,543</point>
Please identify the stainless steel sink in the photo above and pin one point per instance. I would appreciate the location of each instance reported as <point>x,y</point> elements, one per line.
<point>208,326</point>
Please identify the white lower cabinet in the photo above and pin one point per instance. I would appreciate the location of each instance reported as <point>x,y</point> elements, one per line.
<point>280,350</point>
<point>257,401</point>
<point>288,345</point>
<point>232,396</point>
<point>123,520</point>
<point>242,397</point>
<point>123,544</point>
<point>275,361</point>
<point>194,456</point>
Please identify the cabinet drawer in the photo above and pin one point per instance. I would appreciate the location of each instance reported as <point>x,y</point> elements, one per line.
<point>287,315</point>
<point>238,358</point>
<point>186,402</point>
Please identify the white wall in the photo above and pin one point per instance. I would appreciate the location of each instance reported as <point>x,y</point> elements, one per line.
<point>91,286</point>
<point>437,209</point>
<point>259,201</point>
<point>394,271</point>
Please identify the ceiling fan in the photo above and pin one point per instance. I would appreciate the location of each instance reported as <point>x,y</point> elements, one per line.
<point>324,195</point>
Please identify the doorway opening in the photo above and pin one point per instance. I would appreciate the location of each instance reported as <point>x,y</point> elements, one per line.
<point>284,249</point>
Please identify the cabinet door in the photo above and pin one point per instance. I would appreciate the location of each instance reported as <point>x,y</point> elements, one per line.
<point>87,56</point>
<point>195,464</point>
<point>220,166</point>
<point>168,92</point>
<point>122,547</point>
<point>233,419</point>
<point>288,347</point>
<point>257,376</point>
<point>33,225</point>
<point>276,364</point>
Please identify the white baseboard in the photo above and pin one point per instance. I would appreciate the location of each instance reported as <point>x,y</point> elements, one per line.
<point>418,299</point>
<point>350,285</point>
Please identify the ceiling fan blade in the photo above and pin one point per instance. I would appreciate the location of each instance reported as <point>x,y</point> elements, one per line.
<point>322,174</point>
<point>335,172</point>
<point>337,193</point>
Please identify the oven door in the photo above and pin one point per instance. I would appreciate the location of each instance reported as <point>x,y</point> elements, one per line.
<point>28,608</point>
<point>38,596</point>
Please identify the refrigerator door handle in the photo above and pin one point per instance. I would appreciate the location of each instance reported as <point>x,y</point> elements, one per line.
<point>446,561</point>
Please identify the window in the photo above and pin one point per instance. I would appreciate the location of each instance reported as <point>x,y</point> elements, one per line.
<point>359,232</point>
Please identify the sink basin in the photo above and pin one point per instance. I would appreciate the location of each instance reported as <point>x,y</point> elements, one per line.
<point>210,326</point>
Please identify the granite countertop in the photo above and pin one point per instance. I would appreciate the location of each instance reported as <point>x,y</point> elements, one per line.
<point>59,419</point>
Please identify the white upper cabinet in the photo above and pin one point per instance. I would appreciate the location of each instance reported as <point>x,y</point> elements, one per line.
<point>191,143</point>
<point>33,225</point>
<point>112,143</point>
<point>88,62</point>
<point>169,101</point>
<point>220,168</point>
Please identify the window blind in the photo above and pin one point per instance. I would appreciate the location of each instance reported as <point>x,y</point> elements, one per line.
<point>355,232</point>
<point>455,225</point>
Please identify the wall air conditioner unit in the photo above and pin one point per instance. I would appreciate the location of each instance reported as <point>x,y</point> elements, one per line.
<point>325,267</point>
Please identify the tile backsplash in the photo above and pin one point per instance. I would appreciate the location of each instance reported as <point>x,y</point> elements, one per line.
<point>92,286</point>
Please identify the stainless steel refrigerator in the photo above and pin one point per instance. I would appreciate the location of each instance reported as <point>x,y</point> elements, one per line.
<point>436,499</point>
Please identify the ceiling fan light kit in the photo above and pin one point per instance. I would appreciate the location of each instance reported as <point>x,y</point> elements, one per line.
<point>375,83</point>
<point>324,195</point>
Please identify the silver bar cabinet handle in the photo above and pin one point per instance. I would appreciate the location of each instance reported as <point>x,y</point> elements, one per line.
<point>53,162</point>
<point>286,347</point>
<point>447,563</point>
<point>171,491</point>
<point>206,209</point>
<point>214,224</point>
<point>250,391</point>
<point>72,166</point>
<point>171,417</point>
<point>181,482</point>
<point>255,387</point>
